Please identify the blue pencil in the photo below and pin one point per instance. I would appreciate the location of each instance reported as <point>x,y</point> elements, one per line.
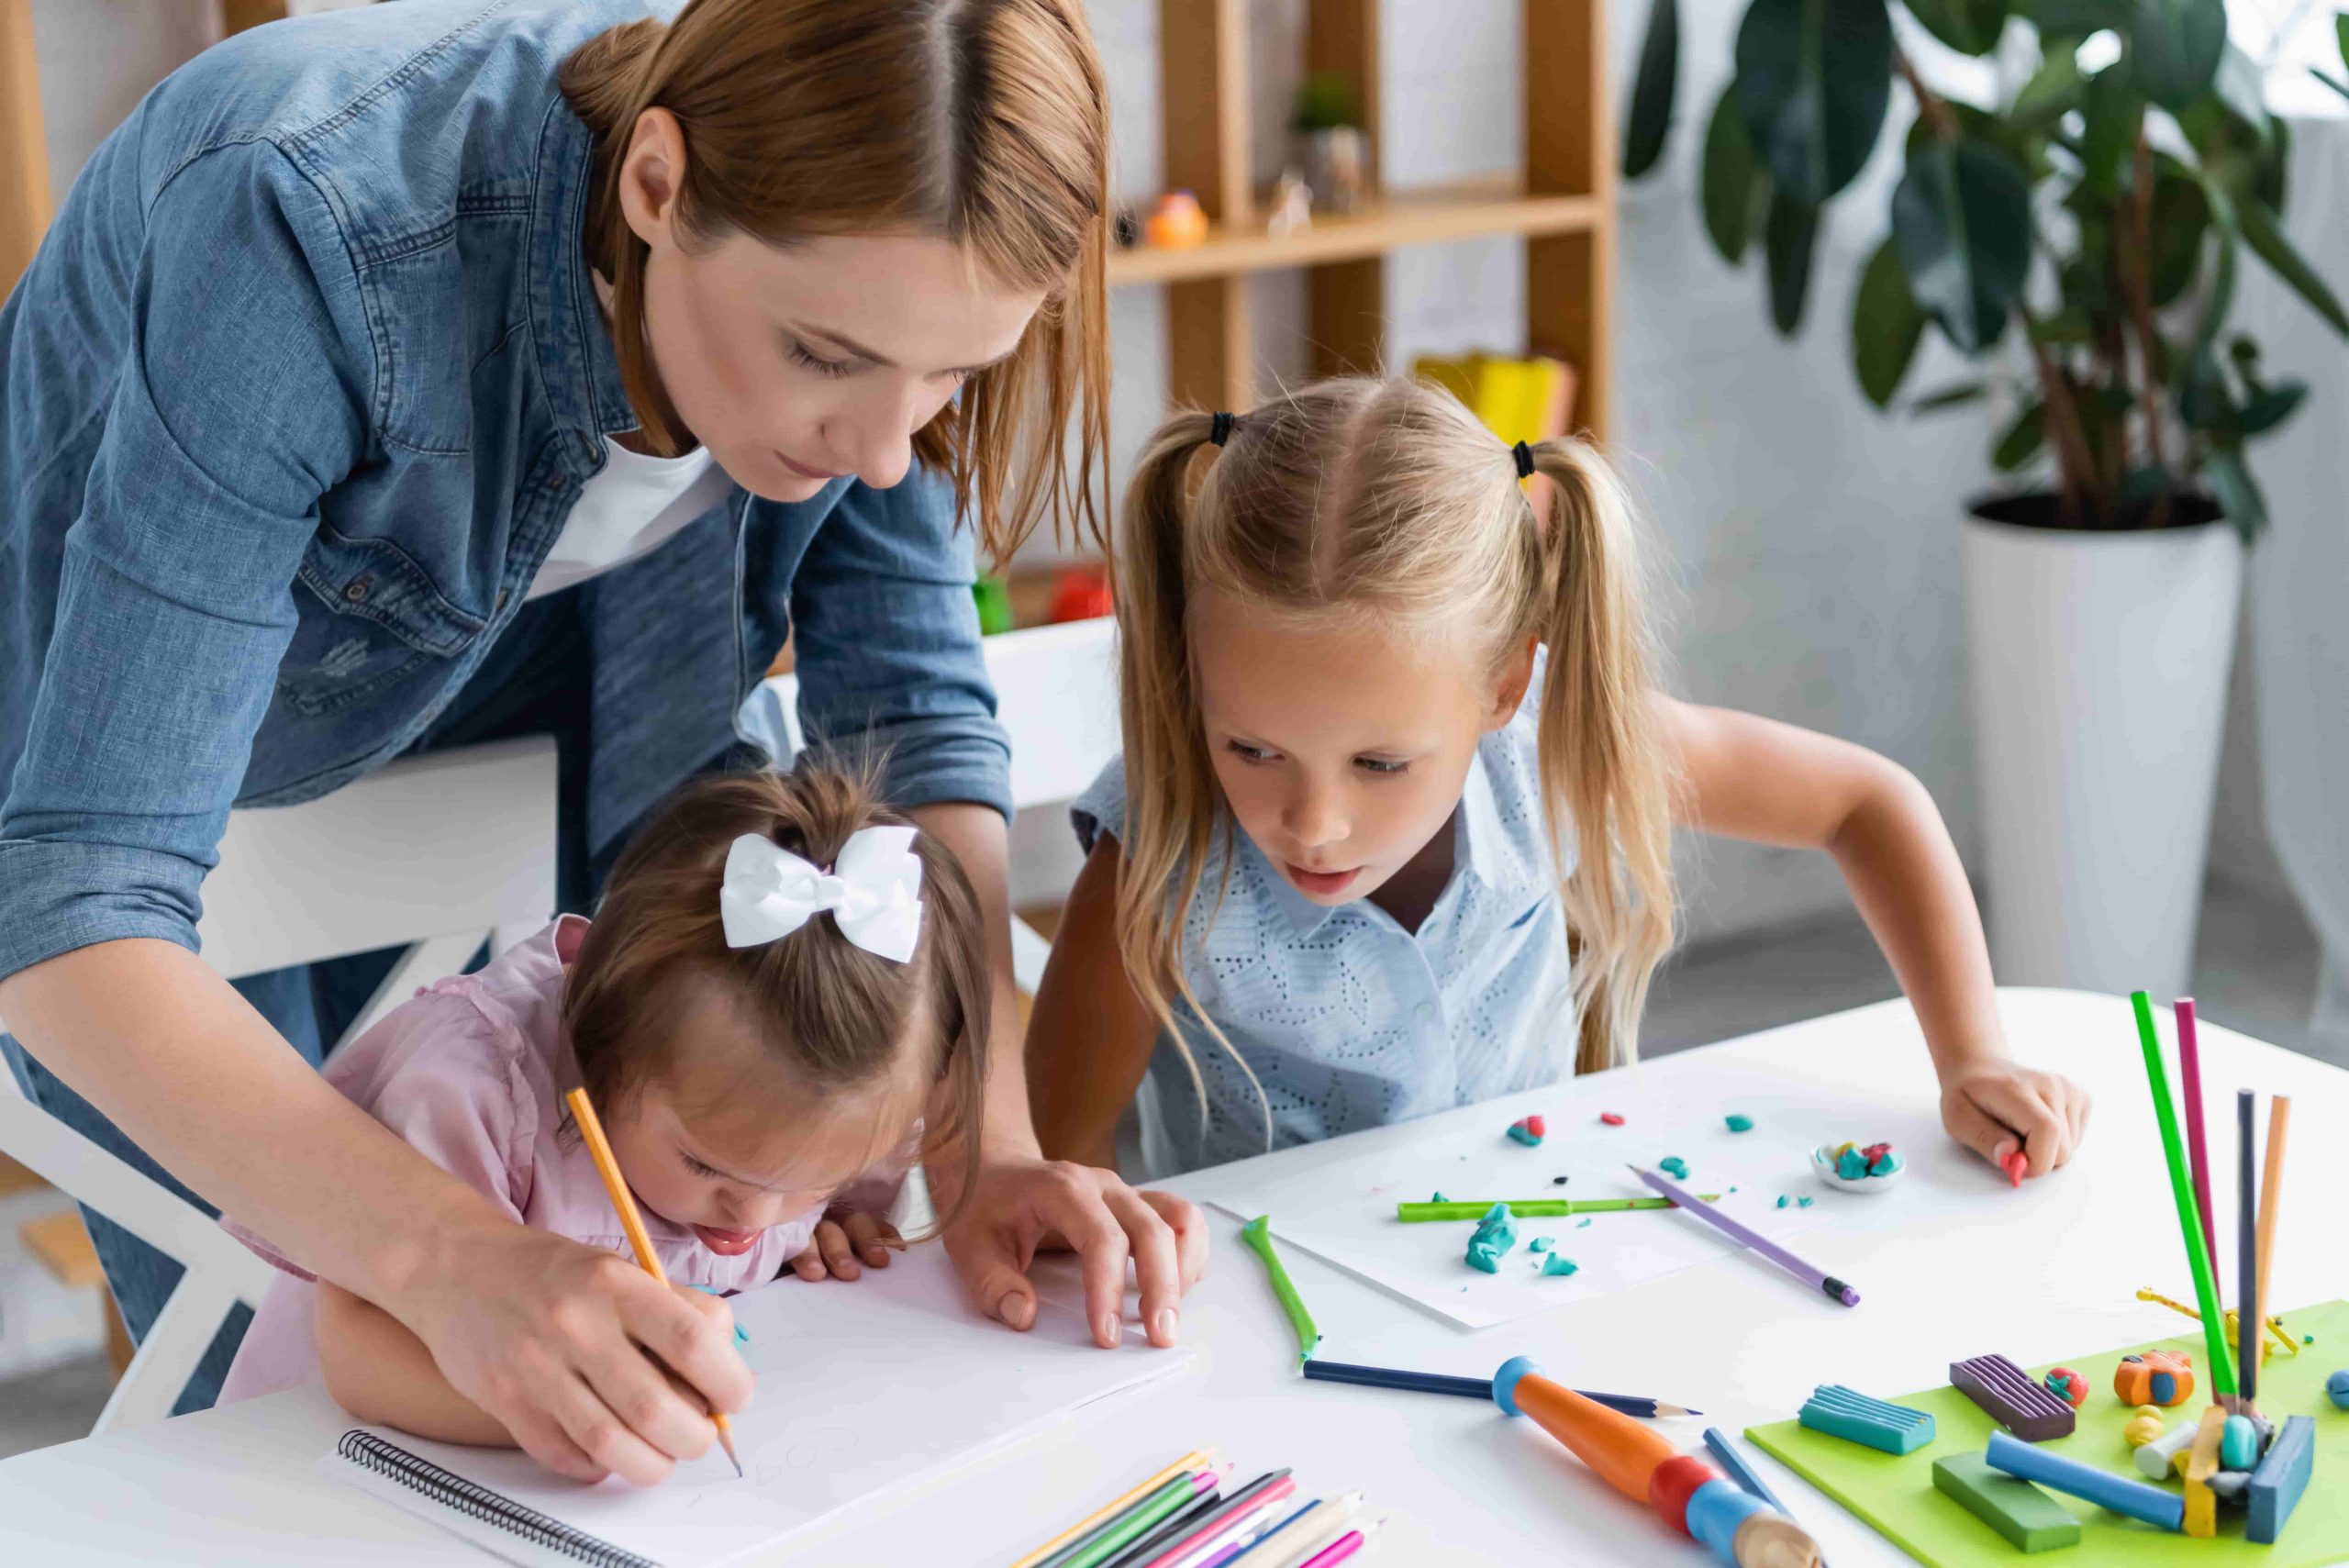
<point>1740,1471</point>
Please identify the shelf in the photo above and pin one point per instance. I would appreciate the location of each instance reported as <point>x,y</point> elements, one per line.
<point>1418,217</point>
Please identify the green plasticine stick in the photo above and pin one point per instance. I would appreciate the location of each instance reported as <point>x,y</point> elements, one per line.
<point>1535,1208</point>
<point>2220,1365</point>
<point>1258,1234</point>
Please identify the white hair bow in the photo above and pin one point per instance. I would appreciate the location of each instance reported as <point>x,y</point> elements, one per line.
<point>873,891</point>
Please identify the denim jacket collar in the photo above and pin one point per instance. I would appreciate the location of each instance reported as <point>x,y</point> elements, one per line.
<point>578,366</point>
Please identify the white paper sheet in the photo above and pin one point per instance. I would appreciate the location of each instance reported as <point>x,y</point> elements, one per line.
<point>1354,1226</point>
<point>843,1415</point>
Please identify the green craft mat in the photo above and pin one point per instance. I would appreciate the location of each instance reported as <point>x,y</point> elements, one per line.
<point>1895,1494</point>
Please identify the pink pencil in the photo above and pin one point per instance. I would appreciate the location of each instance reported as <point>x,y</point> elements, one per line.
<point>1213,1529</point>
<point>2189,1076</point>
<point>1345,1546</point>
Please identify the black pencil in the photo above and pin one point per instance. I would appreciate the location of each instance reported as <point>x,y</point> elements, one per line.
<point>1473,1388</point>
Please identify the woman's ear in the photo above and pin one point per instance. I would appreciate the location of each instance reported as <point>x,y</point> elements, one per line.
<point>652,175</point>
<point>1516,674</point>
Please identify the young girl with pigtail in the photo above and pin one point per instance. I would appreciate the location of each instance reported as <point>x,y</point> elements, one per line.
<point>1392,828</point>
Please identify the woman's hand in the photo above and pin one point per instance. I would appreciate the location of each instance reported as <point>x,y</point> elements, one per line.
<point>843,1235</point>
<point>594,1367</point>
<point>1022,1204</point>
<point>1998,1107</point>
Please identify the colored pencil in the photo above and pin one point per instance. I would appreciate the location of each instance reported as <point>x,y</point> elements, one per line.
<point>1471,1387</point>
<point>1810,1273</point>
<point>2271,1192</point>
<point>2206,1290</point>
<point>1173,1527</point>
<point>591,1131</point>
<point>1249,1532</point>
<point>1285,1548</point>
<point>2246,1249</point>
<point>1174,1497</point>
<point>1532,1208</point>
<point>1258,1234</point>
<point>1265,1492</point>
<point>1285,1534</point>
<point>1345,1546</point>
<point>1740,1471</point>
<point>1194,1460</point>
<point>2198,1153</point>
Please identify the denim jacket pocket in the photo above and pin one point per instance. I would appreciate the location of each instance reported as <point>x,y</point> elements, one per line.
<point>375,618</point>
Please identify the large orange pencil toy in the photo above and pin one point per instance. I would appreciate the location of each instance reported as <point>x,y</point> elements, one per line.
<point>1686,1493</point>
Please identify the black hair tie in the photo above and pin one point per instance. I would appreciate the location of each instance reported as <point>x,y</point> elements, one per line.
<point>1524,460</point>
<point>1220,431</point>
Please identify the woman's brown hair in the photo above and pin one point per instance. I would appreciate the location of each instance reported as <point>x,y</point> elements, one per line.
<point>836,1017</point>
<point>982,122</point>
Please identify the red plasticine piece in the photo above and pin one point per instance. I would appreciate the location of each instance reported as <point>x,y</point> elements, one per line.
<point>1673,1484</point>
<point>1610,1118</point>
<point>1537,1127</point>
<point>2015,1164</point>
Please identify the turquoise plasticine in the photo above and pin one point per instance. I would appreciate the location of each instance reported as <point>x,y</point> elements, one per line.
<point>1556,1263</point>
<point>1846,1412</point>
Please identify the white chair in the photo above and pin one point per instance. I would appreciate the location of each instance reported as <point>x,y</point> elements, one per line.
<point>1056,694</point>
<point>436,853</point>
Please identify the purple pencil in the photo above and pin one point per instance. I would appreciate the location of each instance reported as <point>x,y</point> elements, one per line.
<point>2198,1155</point>
<point>1811,1274</point>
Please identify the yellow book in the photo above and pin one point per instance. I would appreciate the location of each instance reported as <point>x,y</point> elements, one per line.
<point>1519,400</point>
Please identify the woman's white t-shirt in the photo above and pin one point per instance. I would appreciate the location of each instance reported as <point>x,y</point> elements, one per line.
<point>631,507</point>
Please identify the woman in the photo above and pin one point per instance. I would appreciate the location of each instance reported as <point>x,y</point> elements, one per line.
<point>426,373</point>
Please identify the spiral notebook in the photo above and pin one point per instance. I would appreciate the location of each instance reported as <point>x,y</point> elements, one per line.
<point>868,1390</point>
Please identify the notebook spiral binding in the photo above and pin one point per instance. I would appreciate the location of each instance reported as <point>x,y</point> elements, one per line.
<point>421,1476</point>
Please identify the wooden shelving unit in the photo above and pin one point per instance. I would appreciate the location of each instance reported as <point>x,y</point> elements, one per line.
<point>1562,205</point>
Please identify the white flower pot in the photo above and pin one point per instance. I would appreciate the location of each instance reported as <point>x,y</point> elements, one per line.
<point>2096,664</point>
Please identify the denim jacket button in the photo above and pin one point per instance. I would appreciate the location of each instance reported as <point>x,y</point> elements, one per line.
<point>356,590</point>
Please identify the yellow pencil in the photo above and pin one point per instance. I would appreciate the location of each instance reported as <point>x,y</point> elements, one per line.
<point>1192,1460</point>
<point>632,1222</point>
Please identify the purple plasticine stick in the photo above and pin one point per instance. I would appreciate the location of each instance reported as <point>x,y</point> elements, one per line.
<point>2190,1082</point>
<point>1811,1274</point>
<point>2012,1397</point>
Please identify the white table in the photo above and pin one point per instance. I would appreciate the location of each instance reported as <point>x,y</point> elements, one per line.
<point>2046,1272</point>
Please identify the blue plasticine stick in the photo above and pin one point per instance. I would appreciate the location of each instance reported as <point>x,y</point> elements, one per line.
<point>1740,1471</point>
<point>2276,1486</point>
<point>2059,1473</point>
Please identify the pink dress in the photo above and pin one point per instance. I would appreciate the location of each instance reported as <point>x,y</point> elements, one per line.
<point>472,1072</point>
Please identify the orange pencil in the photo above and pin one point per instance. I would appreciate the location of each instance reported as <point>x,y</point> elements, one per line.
<point>591,1130</point>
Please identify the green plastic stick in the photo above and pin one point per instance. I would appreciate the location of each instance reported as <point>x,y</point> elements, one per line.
<point>1258,1234</point>
<point>1534,1209</point>
<point>2189,1219</point>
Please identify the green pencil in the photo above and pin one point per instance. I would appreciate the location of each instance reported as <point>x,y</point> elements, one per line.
<point>1534,1208</point>
<point>1128,1527</point>
<point>2197,1259</point>
<point>1257,1234</point>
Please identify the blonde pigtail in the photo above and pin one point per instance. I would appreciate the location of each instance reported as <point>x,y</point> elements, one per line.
<point>1604,773</point>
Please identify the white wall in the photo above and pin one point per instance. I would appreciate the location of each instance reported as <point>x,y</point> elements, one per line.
<point>1813,541</point>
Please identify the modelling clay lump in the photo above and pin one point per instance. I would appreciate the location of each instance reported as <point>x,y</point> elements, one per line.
<point>1529,1130</point>
<point>1740,1123</point>
<point>1674,1166</point>
<point>2010,1398</point>
<point>2157,1377</point>
<point>1846,1412</point>
<point>2238,1444</point>
<point>2067,1386</point>
<point>1495,1236</point>
<point>1540,1244</point>
<point>2027,1517</point>
<point>1556,1264</point>
<point>2144,1426</point>
<point>1610,1118</point>
<point>2276,1486</point>
<point>2165,1455</point>
<point>2336,1388</point>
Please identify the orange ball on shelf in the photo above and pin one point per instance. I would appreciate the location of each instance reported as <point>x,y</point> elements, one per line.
<point>1177,223</point>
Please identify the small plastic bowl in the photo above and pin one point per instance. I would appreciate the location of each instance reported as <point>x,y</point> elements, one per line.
<point>1822,1161</point>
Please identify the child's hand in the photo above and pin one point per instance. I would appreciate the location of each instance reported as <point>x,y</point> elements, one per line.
<point>842,1238</point>
<point>1998,1107</point>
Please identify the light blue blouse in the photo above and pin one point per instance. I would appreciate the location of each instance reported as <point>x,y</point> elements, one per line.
<point>1348,1019</point>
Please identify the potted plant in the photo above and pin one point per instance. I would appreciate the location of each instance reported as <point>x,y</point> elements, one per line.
<point>1328,123</point>
<point>2078,240</point>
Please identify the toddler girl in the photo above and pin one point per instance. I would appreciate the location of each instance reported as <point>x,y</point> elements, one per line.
<point>1391,831</point>
<point>785,985</point>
